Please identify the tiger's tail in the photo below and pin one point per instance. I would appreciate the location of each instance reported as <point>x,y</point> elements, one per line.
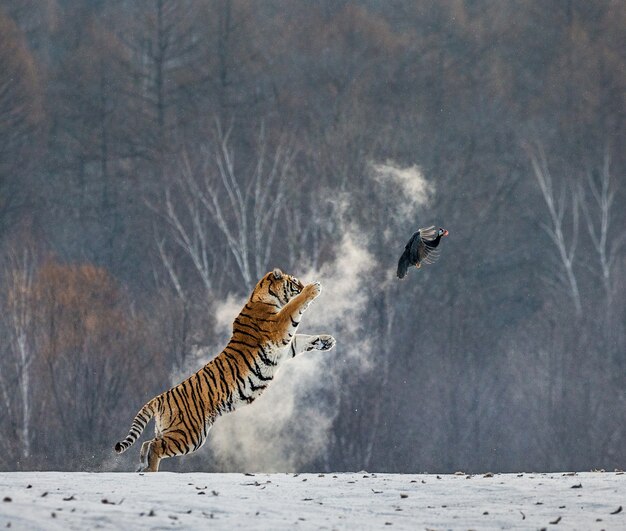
<point>141,419</point>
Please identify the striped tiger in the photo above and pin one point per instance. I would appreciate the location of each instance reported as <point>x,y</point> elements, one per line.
<point>264,336</point>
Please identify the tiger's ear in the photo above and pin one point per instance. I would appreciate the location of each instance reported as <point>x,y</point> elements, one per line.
<point>278,274</point>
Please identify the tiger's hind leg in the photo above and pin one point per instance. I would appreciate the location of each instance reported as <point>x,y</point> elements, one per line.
<point>151,455</point>
<point>143,456</point>
<point>162,447</point>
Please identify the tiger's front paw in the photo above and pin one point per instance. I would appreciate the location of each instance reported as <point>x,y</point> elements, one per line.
<point>313,290</point>
<point>324,343</point>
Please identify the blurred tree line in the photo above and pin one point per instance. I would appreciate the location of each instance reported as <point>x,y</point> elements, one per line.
<point>157,156</point>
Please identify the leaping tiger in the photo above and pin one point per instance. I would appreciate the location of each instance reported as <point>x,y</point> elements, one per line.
<point>264,336</point>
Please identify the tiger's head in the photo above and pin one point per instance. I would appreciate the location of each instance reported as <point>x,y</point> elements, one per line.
<point>276,288</point>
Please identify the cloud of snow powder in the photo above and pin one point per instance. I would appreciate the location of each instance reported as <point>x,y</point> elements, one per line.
<point>289,424</point>
<point>414,189</point>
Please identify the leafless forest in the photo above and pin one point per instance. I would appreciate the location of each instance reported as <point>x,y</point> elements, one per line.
<point>157,157</point>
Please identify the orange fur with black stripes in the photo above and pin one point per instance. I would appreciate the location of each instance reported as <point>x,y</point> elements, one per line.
<point>264,336</point>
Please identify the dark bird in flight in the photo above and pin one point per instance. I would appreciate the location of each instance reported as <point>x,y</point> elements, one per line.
<point>422,248</point>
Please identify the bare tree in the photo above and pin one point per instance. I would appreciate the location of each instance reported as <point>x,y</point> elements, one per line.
<point>244,204</point>
<point>303,231</point>
<point>89,346</point>
<point>556,201</point>
<point>193,239</point>
<point>20,114</point>
<point>165,58</point>
<point>598,217</point>
<point>15,365</point>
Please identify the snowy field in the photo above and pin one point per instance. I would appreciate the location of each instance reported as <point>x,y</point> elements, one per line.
<point>55,500</point>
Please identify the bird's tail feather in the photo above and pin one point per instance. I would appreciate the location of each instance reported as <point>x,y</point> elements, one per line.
<point>403,265</point>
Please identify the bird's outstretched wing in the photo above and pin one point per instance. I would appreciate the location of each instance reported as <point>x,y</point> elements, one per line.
<point>428,233</point>
<point>425,252</point>
<point>431,254</point>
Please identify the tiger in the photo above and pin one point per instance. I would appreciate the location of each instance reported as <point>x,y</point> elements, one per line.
<point>263,337</point>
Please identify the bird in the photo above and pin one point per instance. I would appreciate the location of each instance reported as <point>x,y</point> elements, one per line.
<point>421,248</point>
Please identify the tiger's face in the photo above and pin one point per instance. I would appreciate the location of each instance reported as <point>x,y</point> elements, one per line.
<point>277,288</point>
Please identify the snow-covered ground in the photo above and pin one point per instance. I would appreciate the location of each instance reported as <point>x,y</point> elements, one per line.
<point>55,500</point>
